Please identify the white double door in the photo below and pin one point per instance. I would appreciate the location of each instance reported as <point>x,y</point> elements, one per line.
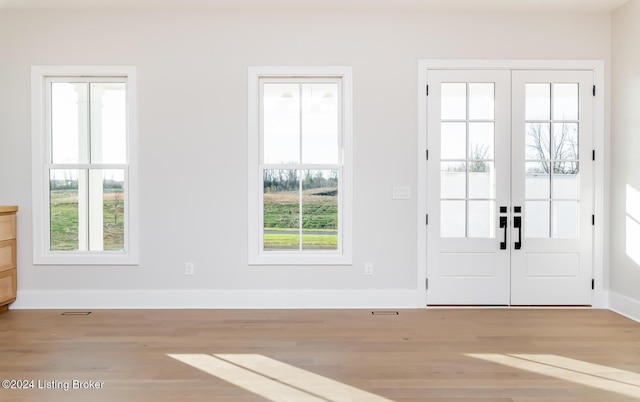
<point>510,187</point>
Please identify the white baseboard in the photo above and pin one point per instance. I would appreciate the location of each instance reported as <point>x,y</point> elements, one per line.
<point>624,305</point>
<point>216,299</point>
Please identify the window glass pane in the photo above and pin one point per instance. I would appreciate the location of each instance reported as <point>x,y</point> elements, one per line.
<point>453,179</point>
<point>320,209</point>
<point>537,180</point>
<point>537,143</point>
<point>565,219</point>
<point>452,219</point>
<point>565,101</point>
<point>113,207</point>
<point>565,140</point>
<point>320,123</point>
<point>281,206</point>
<point>454,101</point>
<point>482,218</point>
<point>538,102</point>
<point>304,128</point>
<point>481,140</point>
<point>565,180</point>
<point>481,101</point>
<point>64,208</point>
<point>482,180</point>
<point>281,123</point>
<point>536,219</point>
<point>69,123</point>
<point>87,209</point>
<point>453,142</point>
<point>108,122</point>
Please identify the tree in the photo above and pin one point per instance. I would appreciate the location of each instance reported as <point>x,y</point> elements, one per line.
<point>561,148</point>
<point>479,153</point>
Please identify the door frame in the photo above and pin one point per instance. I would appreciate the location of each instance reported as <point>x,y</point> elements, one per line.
<point>600,145</point>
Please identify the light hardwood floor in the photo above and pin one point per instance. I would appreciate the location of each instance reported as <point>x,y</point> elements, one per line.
<point>322,355</point>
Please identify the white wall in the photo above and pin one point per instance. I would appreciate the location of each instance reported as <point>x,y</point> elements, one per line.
<point>625,165</point>
<point>192,69</point>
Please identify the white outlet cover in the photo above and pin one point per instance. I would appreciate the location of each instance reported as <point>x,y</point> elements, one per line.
<point>368,268</point>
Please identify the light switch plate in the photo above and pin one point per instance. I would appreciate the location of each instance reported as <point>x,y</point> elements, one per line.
<point>401,193</point>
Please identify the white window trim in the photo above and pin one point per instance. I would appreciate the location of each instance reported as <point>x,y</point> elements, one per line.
<point>256,255</point>
<point>41,255</point>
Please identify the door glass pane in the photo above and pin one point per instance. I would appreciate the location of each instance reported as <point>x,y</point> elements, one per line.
<point>536,219</point>
<point>565,219</point>
<point>482,218</point>
<point>281,206</point>
<point>565,140</point>
<point>481,101</point>
<point>537,143</point>
<point>565,101</point>
<point>108,122</point>
<point>320,210</point>
<point>454,101</point>
<point>281,123</point>
<point>453,143</point>
<point>69,122</point>
<point>320,123</point>
<point>538,101</point>
<point>565,180</point>
<point>481,140</point>
<point>537,180</point>
<point>482,179</point>
<point>452,219</point>
<point>453,179</point>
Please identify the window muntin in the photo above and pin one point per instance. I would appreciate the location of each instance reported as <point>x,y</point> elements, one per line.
<point>552,173</point>
<point>467,167</point>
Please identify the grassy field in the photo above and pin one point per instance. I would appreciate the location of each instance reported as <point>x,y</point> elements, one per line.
<point>64,220</point>
<point>281,217</point>
<point>291,240</point>
<point>319,216</point>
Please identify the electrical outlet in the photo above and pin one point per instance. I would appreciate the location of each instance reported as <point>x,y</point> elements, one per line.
<point>189,269</point>
<point>368,268</point>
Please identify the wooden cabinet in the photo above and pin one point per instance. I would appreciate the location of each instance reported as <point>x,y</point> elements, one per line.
<point>8,265</point>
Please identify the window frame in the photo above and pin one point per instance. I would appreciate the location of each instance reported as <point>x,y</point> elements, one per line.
<point>41,78</point>
<point>257,254</point>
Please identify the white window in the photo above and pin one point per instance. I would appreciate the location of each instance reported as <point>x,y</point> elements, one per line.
<point>300,168</point>
<point>84,165</point>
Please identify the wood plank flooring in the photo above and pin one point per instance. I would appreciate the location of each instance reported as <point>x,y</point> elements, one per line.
<point>321,355</point>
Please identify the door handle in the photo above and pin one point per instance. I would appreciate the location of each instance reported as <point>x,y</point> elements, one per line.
<point>517,223</point>
<point>503,225</point>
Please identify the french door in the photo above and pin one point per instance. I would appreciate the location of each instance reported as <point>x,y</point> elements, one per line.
<point>510,191</point>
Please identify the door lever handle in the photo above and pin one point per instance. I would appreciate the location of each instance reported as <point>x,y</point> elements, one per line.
<point>517,223</point>
<point>503,225</point>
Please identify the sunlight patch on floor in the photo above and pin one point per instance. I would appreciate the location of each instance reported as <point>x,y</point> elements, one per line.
<point>576,371</point>
<point>274,380</point>
<point>633,224</point>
